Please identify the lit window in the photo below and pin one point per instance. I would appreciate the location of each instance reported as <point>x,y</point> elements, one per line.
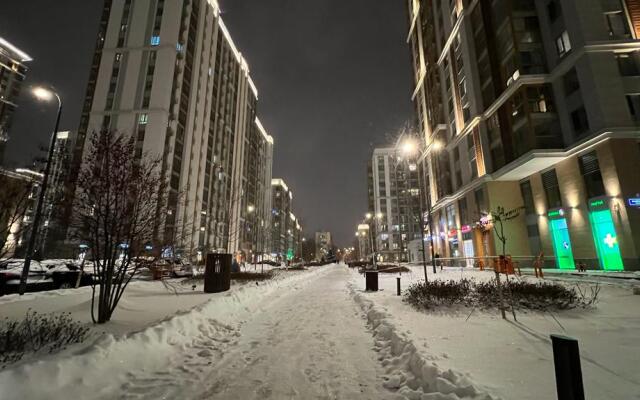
<point>563,44</point>
<point>179,46</point>
<point>155,40</point>
<point>144,118</point>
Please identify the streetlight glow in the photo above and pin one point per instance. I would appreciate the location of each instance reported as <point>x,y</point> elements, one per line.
<point>437,145</point>
<point>368,216</point>
<point>251,209</point>
<point>409,147</point>
<point>42,94</point>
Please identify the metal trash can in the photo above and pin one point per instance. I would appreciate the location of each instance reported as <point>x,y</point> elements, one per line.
<point>217,274</point>
<point>371,278</point>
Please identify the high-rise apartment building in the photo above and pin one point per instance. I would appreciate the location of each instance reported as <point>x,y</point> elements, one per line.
<point>393,189</point>
<point>324,245</point>
<point>12,73</point>
<point>52,229</point>
<point>282,199</point>
<point>168,73</point>
<point>252,214</point>
<point>531,104</point>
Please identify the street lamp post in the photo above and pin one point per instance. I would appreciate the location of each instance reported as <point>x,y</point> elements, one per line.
<point>42,94</point>
<point>410,148</point>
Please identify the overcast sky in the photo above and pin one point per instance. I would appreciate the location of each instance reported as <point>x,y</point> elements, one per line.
<point>334,77</point>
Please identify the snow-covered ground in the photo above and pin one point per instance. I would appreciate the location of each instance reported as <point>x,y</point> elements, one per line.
<point>515,360</point>
<point>299,333</point>
<point>316,334</point>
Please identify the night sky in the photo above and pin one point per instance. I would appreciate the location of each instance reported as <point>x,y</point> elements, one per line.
<point>334,77</point>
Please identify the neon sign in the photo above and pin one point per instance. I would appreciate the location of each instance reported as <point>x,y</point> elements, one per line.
<point>634,202</point>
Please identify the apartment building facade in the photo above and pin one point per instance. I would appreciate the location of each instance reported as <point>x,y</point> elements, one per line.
<point>13,71</point>
<point>533,105</point>
<point>394,201</point>
<point>282,200</point>
<point>252,214</point>
<point>169,73</point>
<point>324,246</point>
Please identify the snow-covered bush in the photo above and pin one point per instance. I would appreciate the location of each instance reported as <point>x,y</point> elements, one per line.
<point>438,293</point>
<point>525,295</point>
<point>38,333</point>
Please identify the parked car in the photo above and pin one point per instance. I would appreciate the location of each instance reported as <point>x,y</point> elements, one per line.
<point>168,267</point>
<point>66,276</point>
<point>11,271</point>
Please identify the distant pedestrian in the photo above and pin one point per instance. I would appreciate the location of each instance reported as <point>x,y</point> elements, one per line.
<point>235,267</point>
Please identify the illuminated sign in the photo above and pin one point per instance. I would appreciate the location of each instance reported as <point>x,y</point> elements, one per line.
<point>561,243</point>
<point>606,240</point>
<point>453,232</point>
<point>466,228</point>
<point>634,202</point>
<point>557,213</point>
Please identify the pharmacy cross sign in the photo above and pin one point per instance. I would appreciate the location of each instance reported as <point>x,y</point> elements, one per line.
<point>610,240</point>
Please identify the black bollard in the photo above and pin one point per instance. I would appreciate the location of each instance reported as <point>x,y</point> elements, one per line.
<point>371,280</point>
<point>398,284</point>
<point>566,357</point>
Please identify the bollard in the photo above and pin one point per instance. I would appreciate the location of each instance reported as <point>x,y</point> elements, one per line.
<point>566,357</point>
<point>398,284</point>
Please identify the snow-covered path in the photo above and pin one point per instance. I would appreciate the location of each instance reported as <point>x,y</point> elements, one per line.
<point>309,341</point>
<point>311,344</point>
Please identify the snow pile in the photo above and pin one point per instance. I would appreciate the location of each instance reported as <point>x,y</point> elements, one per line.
<point>410,374</point>
<point>514,360</point>
<point>103,368</point>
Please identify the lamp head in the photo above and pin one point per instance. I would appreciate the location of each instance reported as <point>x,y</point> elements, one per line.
<point>42,94</point>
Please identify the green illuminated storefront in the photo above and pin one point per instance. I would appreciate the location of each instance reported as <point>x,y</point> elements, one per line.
<point>561,239</point>
<point>604,235</point>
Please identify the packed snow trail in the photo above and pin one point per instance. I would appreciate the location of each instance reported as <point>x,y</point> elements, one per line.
<point>309,343</point>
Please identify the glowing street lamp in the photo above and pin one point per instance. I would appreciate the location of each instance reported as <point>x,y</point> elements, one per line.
<point>251,209</point>
<point>409,148</point>
<point>43,94</point>
<point>437,145</point>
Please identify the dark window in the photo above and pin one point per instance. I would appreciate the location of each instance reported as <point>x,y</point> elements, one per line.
<point>552,189</point>
<point>580,121</point>
<point>464,211</point>
<point>633,101</point>
<point>527,197</point>
<point>571,82</point>
<point>554,10</point>
<point>627,64</point>
<point>590,170</point>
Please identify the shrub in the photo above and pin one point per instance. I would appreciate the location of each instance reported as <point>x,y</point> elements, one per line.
<point>437,293</point>
<point>540,296</point>
<point>48,333</point>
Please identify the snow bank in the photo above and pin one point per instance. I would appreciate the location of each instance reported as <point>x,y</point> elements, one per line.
<point>514,360</point>
<point>413,376</point>
<point>105,367</point>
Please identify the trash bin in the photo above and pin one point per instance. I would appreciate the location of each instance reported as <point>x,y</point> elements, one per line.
<point>217,274</point>
<point>371,278</point>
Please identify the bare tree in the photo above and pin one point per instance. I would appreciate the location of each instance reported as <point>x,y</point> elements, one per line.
<point>14,203</point>
<point>119,194</point>
<point>499,217</point>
